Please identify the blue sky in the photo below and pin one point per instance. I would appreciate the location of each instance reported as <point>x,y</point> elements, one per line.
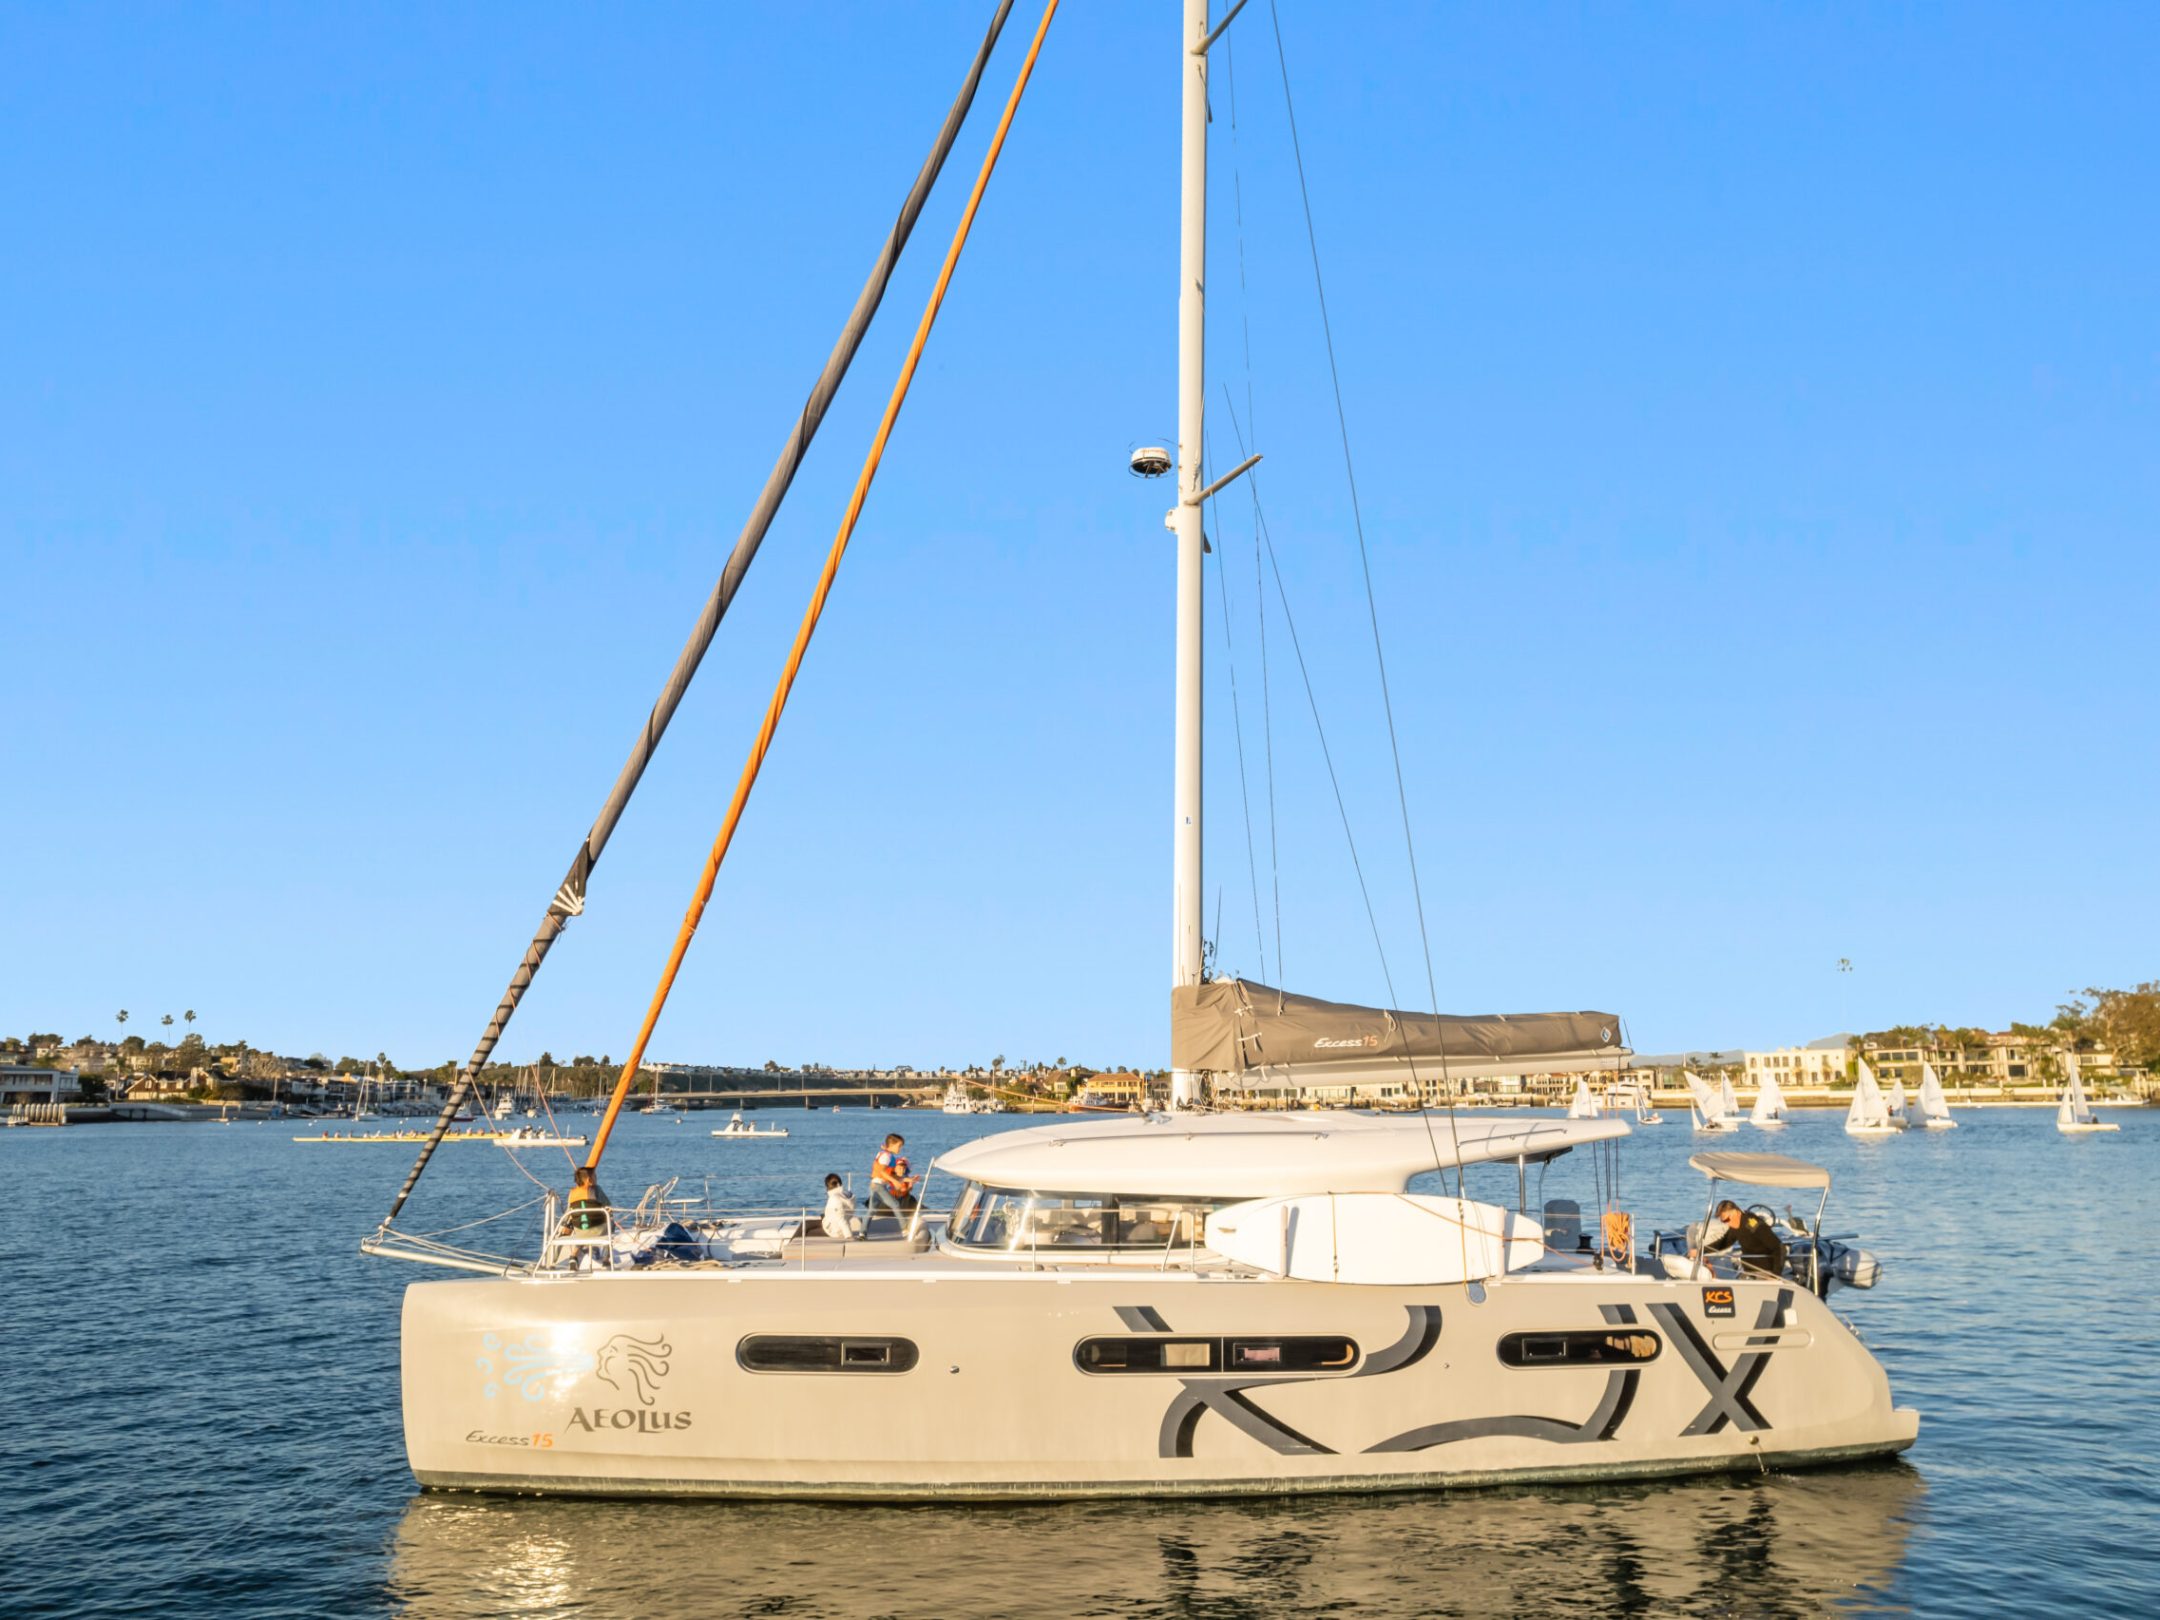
<point>1754,408</point>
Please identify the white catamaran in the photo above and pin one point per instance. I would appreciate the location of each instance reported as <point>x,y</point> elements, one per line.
<point>1870,1113</point>
<point>1185,1303</point>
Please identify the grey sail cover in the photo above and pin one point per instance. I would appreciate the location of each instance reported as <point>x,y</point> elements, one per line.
<point>1232,1025</point>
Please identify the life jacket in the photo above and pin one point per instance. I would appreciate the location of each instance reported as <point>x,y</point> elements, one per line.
<point>587,1204</point>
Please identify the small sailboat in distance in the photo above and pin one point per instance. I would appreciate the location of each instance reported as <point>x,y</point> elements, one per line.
<point>1585,1105</point>
<point>1726,1099</point>
<point>2074,1115</point>
<point>1934,1106</point>
<point>1870,1112</point>
<point>1769,1109</point>
<point>1708,1107</point>
<point>1898,1106</point>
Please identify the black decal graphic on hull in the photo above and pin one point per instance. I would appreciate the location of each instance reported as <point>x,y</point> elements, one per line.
<point>1729,1387</point>
<point>1228,1399</point>
<point>1601,1424</point>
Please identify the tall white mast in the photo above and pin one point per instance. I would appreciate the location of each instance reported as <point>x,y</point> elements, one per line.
<point>1186,909</point>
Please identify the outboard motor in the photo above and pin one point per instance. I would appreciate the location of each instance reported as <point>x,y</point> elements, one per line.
<point>1855,1268</point>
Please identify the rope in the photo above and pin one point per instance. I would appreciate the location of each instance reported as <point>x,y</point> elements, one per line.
<point>569,898</point>
<point>816,609</point>
<point>1237,726</point>
<point>1267,717</point>
<point>1372,605</point>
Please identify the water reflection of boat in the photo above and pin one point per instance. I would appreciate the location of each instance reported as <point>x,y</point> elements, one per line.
<point>1785,1544</point>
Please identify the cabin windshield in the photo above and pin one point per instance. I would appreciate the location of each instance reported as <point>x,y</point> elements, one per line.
<point>993,1218</point>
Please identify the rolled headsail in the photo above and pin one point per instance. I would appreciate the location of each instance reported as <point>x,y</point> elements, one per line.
<point>569,898</point>
<point>1234,1027</point>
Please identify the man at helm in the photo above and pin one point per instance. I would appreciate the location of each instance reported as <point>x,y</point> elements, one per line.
<point>1761,1253</point>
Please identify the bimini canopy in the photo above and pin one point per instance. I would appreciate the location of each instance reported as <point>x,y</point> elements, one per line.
<point>1233,1026</point>
<point>1761,1169</point>
<point>1238,1156</point>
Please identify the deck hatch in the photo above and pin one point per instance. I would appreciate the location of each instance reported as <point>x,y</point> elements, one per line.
<point>826,1353</point>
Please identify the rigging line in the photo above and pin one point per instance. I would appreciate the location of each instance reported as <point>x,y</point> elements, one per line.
<point>811,614</point>
<point>1350,838</point>
<point>1267,727</point>
<point>1312,700</point>
<point>1357,517</point>
<point>1237,725</point>
<point>569,899</point>
<point>1267,737</point>
<point>1372,605</point>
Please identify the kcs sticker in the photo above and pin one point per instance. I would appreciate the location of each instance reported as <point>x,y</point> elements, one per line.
<point>1717,1302</point>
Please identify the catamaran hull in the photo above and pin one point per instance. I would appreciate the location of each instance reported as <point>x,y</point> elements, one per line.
<point>642,1385</point>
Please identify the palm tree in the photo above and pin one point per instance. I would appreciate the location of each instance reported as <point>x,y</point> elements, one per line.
<point>166,1020</point>
<point>122,1015</point>
<point>997,1063</point>
<point>189,1015</point>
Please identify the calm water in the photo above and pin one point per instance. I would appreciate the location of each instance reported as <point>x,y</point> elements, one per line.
<point>203,1415</point>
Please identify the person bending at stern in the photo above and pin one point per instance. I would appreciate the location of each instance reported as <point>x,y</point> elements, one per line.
<point>1761,1253</point>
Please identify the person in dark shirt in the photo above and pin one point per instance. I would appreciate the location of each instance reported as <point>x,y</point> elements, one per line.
<point>1761,1254</point>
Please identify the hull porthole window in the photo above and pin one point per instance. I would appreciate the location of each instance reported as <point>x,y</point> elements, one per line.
<point>1170,1353</point>
<point>1595,1347</point>
<point>822,1353</point>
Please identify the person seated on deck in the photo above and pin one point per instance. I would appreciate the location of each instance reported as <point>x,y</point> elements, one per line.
<point>1761,1253</point>
<point>840,1220</point>
<point>891,1187</point>
<point>588,1204</point>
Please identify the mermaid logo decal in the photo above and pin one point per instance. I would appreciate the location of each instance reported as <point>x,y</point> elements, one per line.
<point>633,1366</point>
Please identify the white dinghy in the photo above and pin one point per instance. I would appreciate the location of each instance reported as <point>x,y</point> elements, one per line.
<point>738,1129</point>
<point>1585,1104</point>
<point>1707,1107</point>
<point>1769,1110</point>
<point>1870,1114</point>
<point>1934,1106</point>
<point>1900,1114</point>
<point>2074,1115</point>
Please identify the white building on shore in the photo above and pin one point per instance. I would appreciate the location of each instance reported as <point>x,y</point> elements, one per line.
<point>1796,1066</point>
